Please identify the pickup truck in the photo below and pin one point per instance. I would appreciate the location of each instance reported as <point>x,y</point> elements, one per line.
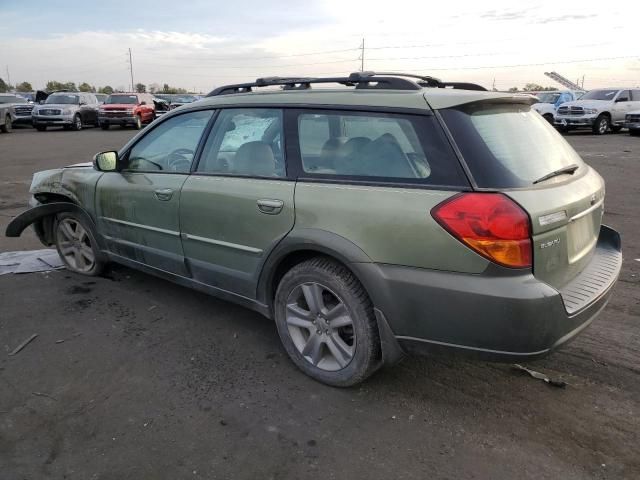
<point>134,109</point>
<point>550,101</point>
<point>600,110</point>
<point>632,122</point>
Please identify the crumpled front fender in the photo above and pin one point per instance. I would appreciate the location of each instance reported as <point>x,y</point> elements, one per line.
<point>22,221</point>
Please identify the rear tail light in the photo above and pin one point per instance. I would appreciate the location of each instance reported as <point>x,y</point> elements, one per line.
<point>489,223</point>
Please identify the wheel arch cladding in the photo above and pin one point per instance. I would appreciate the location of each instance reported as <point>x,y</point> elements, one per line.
<point>299,246</point>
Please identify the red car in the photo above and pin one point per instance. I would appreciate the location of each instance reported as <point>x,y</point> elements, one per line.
<point>124,109</point>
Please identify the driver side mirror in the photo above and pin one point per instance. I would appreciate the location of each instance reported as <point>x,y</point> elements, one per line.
<point>106,161</point>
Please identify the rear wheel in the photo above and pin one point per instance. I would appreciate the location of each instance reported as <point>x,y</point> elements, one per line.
<point>41,128</point>
<point>601,125</point>
<point>326,323</point>
<point>104,126</point>
<point>6,128</point>
<point>76,245</point>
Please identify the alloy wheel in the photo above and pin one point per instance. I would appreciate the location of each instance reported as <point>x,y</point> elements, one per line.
<point>77,122</point>
<point>75,245</point>
<point>320,326</point>
<point>603,126</point>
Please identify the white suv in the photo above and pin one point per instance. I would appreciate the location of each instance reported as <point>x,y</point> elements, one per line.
<point>600,110</point>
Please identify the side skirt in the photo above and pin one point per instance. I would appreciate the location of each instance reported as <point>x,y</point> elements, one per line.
<point>193,284</point>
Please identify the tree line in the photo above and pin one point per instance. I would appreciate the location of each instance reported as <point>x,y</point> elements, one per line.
<point>53,85</point>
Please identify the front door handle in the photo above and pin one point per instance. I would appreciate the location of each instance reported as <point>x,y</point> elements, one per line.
<point>163,194</point>
<point>270,207</point>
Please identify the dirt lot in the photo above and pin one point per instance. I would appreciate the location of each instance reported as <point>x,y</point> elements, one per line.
<point>154,381</point>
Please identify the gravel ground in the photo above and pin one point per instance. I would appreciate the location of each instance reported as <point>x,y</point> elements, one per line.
<point>133,377</point>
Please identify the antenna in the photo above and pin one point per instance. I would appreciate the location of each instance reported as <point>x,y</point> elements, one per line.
<point>362,56</point>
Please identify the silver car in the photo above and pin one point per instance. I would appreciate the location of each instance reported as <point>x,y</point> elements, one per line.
<point>70,110</point>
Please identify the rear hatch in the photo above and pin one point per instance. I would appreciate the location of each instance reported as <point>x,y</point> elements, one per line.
<point>511,149</point>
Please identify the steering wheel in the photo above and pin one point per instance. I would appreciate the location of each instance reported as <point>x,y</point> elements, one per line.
<point>177,162</point>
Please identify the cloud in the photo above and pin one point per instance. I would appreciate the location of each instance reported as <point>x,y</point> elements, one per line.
<point>565,18</point>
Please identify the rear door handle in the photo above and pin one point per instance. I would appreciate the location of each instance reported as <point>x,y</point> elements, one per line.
<point>163,194</point>
<point>269,206</point>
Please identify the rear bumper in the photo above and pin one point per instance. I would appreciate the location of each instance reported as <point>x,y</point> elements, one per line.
<point>500,315</point>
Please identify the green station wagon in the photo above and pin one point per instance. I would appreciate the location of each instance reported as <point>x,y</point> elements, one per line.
<point>391,214</point>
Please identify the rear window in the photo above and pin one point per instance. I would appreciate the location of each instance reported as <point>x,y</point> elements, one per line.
<point>508,146</point>
<point>376,146</point>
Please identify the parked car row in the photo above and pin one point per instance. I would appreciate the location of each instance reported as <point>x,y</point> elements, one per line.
<point>75,110</point>
<point>601,110</point>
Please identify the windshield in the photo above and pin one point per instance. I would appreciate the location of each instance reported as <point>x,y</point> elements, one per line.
<point>186,99</point>
<point>548,97</point>
<point>10,99</point>
<point>63,99</point>
<point>508,146</point>
<point>120,99</point>
<point>599,95</point>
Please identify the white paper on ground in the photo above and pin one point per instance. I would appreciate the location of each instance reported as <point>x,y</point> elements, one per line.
<point>30,261</point>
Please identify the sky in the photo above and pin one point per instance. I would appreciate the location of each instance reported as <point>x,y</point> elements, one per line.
<point>199,45</point>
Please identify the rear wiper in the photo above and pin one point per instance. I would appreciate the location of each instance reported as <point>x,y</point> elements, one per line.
<point>568,169</point>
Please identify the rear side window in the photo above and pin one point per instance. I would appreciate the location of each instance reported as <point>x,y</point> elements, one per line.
<point>509,145</point>
<point>376,146</point>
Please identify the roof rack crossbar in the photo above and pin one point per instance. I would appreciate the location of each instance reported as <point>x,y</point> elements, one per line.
<point>359,80</point>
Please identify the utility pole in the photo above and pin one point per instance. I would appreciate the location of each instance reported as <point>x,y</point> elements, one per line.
<point>133,88</point>
<point>362,56</point>
<point>8,76</point>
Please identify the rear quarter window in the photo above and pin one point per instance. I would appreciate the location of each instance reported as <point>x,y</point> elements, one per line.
<point>376,146</point>
<point>508,145</point>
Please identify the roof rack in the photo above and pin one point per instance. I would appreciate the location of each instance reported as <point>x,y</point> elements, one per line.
<point>359,80</point>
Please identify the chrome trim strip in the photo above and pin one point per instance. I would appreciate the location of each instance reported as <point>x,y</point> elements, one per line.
<point>145,227</point>
<point>587,211</point>
<point>244,248</point>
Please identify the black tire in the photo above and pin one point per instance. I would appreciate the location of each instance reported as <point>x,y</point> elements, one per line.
<point>77,122</point>
<point>616,128</point>
<point>549,118</point>
<point>138,124</point>
<point>563,129</point>
<point>601,125</point>
<point>99,260</point>
<point>104,126</point>
<point>634,132</point>
<point>331,274</point>
<point>41,128</point>
<point>7,127</point>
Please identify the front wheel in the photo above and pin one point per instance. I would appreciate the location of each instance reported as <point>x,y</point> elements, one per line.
<point>77,245</point>
<point>549,118</point>
<point>6,128</point>
<point>138,123</point>
<point>601,125</point>
<point>326,323</point>
<point>41,128</point>
<point>634,133</point>
<point>104,126</point>
<point>616,128</point>
<point>77,122</point>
